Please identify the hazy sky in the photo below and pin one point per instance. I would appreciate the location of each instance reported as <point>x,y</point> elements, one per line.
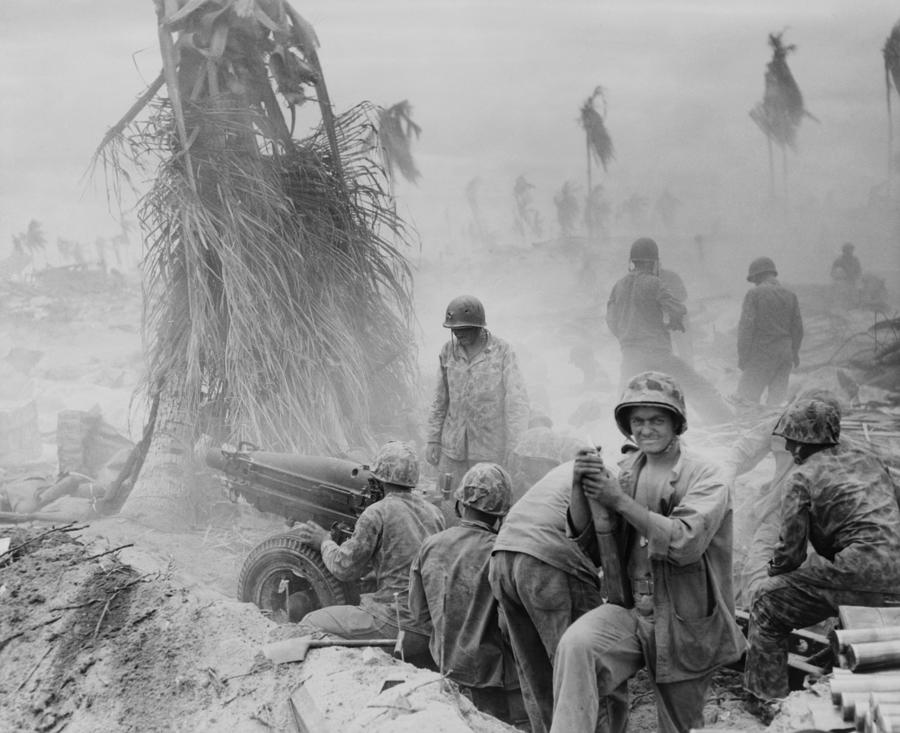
<point>496,86</point>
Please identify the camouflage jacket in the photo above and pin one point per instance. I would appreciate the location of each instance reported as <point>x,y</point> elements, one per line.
<point>771,328</point>
<point>637,310</point>
<point>387,538</point>
<point>842,501</point>
<point>448,587</point>
<point>480,407</point>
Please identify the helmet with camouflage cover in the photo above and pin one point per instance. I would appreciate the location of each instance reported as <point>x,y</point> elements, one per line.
<point>486,487</point>
<point>651,389</point>
<point>464,311</point>
<point>810,421</point>
<point>396,463</point>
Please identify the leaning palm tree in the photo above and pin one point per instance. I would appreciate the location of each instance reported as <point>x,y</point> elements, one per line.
<point>597,140</point>
<point>395,133</point>
<point>278,302</point>
<point>891,53</point>
<point>782,108</point>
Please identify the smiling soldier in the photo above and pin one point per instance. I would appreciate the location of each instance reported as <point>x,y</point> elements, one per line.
<point>672,519</point>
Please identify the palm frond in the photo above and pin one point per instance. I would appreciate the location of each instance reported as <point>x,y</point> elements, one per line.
<point>598,139</point>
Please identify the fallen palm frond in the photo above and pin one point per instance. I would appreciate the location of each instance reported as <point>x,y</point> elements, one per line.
<point>598,140</point>
<point>278,296</point>
<point>394,136</point>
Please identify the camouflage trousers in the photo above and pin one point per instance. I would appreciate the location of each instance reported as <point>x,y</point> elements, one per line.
<point>782,604</point>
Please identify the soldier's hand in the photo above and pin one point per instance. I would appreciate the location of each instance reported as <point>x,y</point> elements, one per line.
<point>675,324</point>
<point>433,453</point>
<point>796,361</point>
<point>312,534</point>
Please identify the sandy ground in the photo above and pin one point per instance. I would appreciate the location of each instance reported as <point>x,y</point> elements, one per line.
<point>148,638</point>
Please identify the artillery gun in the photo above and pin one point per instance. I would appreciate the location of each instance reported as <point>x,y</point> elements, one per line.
<point>282,575</point>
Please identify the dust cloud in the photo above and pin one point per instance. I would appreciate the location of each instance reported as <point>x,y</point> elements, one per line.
<point>496,87</point>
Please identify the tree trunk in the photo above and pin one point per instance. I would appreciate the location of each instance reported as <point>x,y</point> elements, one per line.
<point>160,496</point>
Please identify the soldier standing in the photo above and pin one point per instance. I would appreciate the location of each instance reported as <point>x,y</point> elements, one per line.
<point>480,406</point>
<point>640,313</point>
<point>769,335</point>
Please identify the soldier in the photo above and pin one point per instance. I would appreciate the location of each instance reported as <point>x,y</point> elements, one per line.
<point>769,335</point>
<point>840,500</point>
<point>640,313</point>
<point>387,537</point>
<point>543,582</point>
<point>540,449</point>
<point>673,521</point>
<point>480,405</point>
<point>449,589</point>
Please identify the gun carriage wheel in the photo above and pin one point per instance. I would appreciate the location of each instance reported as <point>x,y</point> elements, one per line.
<point>288,579</point>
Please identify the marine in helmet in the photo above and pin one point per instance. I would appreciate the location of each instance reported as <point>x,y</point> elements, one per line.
<point>640,313</point>
<point>449,590</point>
<point>838,499</point>
<point>480,406</point>
<point>673,518</point>
<point>387,536</point>
<point>769,335</point>
<point>847,266</point>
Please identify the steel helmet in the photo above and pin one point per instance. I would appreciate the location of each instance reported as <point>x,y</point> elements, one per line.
<point>486,487</point>
<point>464,311</point>
<point>396,463</point>
<point>760,266</point>
<point>811,421</point>
<point>644,249</point>
<point>651,389</point>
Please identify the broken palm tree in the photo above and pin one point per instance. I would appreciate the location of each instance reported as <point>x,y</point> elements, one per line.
<point>598,143</point>
<point>278,306</point>
<point>782,109</point>
<point>394,134</point>
<point>891,53</point>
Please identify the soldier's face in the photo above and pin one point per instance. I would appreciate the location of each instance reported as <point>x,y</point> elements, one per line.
<point>467,336</point>
<point>652,428</point>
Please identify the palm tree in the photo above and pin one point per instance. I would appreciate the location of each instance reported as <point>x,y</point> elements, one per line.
<point>782,109</point>
<point>278,305</point>
<point>598,143</point>
<point>891,53</point>
<point>394,137</point>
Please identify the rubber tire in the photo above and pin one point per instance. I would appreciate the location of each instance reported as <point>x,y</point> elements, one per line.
<point>285,557</point>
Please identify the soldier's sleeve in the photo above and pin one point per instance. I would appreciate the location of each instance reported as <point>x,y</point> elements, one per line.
<point>682,536</point>
<point>790,551</point>
<point>418,603</point>
<point>516,405</point>
<point>671,306</point>
<point>796,327</point>
<point>439,403</point>
<point>746,326</point>
<point>350,560</point>
<point>612,312</point>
